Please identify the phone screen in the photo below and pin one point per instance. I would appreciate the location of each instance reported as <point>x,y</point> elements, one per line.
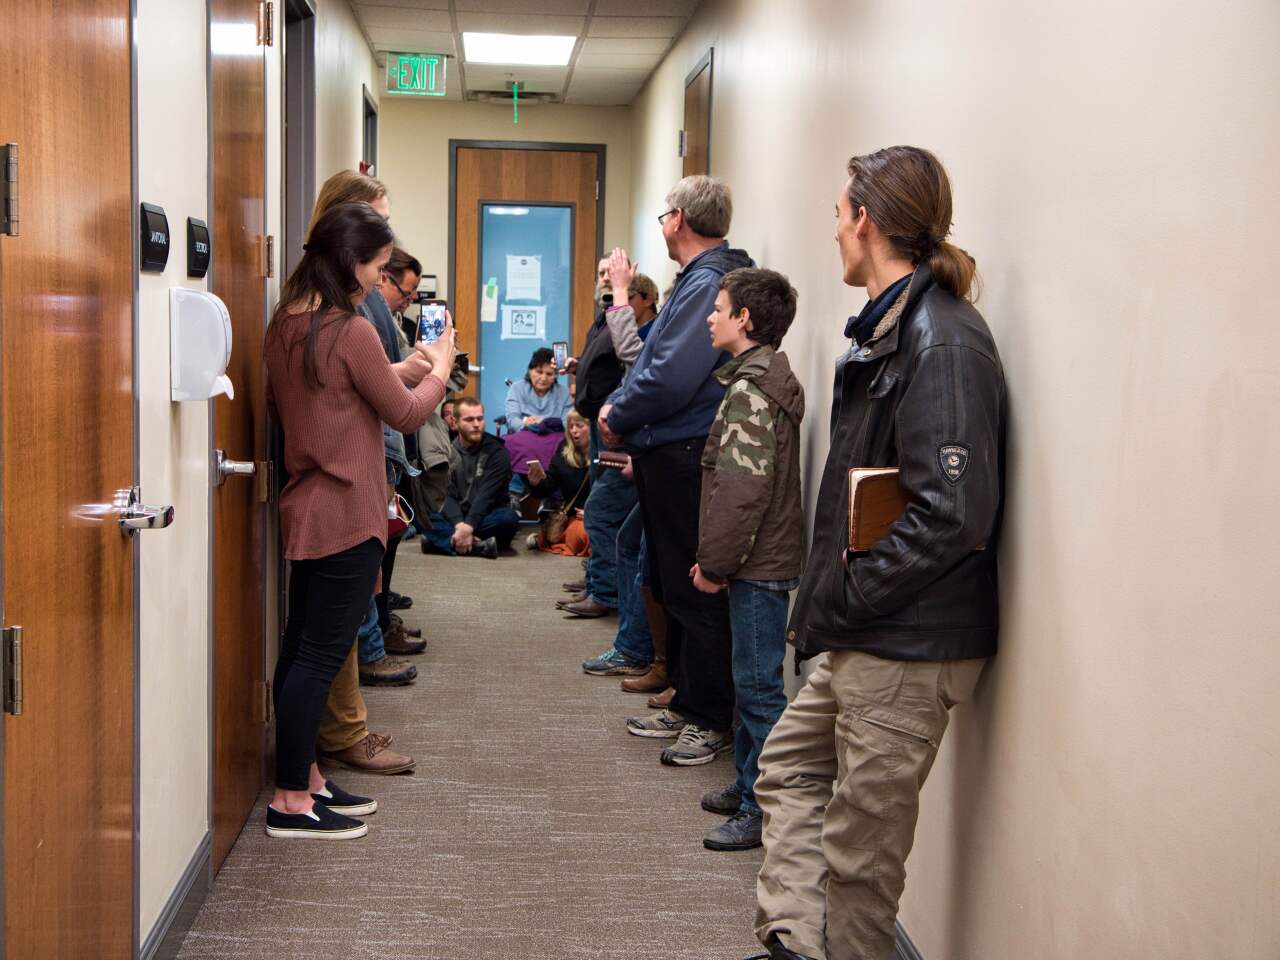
<point>560,350</point>
<point>431,321</point>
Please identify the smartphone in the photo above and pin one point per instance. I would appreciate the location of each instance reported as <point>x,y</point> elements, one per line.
<point>560,350</point>
<point>431,320</point>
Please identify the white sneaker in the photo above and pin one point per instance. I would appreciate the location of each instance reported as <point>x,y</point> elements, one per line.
<point>664,725</point>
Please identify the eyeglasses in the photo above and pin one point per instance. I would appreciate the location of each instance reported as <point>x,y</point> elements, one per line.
<point>662,217</point>
<point>399,289</point>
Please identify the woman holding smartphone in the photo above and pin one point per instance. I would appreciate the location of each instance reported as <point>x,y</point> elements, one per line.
<point>330,387</point>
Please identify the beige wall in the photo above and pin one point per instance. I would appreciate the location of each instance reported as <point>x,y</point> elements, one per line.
<point>173,441</point>
<point>1110,794</point>
<point>344,65</point>
<point>414,162</point>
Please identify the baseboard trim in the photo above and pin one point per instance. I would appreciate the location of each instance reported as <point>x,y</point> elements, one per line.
<point>165,939</point>
<point>904,948</point>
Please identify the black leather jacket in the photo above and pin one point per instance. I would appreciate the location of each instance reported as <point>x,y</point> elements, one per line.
<point>926,394</point>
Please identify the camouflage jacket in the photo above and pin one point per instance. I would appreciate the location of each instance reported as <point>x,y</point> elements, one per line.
<point>750,524</point>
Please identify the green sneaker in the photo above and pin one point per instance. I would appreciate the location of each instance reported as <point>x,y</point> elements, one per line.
<point>664,725</point>
<point>613,663</point>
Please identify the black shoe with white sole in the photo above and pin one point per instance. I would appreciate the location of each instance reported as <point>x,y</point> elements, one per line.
<point>320,824</point>
<point>347,804</point>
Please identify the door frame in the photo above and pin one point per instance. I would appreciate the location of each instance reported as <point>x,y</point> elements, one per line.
<point>599,149</point>
<point>706,62</point>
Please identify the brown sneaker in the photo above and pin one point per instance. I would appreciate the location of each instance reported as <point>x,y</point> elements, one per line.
<point>662,700</point>
<point>411,631</point>
<point>387,672</point>
<point>397,641</point>
<point>371,755</point>
<point>652,682</point>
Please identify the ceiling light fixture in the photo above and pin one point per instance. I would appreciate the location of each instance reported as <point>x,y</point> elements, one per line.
<point>532,51</point>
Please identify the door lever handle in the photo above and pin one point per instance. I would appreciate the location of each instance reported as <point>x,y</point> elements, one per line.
<point>224,467</point>
<point>135,515</point>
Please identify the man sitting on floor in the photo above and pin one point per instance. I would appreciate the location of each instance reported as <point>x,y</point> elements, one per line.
<point>476,518</point>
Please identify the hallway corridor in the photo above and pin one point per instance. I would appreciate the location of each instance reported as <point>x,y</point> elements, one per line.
<point>534,827</point>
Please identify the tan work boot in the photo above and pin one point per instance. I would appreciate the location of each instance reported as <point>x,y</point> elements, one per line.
<point>387,671</point>
<point>656,679</point>
<point>371,755</point>
<point>396,640</point>
<point>662,700</point>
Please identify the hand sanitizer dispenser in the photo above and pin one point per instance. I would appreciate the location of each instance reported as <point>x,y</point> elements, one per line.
<point>199,345</point>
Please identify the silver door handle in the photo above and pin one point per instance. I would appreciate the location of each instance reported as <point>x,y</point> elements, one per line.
<point>224,467</point>
<point>135,515</point>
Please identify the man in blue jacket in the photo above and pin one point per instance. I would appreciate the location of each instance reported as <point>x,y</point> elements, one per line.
<point>662,413</point>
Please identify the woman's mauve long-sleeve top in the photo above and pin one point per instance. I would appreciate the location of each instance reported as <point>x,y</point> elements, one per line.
<point>336,497</point>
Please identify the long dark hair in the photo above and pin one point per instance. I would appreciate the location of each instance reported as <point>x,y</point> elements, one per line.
<point>345,236</point>
<point>907,193</point>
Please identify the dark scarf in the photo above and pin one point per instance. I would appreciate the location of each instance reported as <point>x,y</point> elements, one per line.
<point>860,327</point>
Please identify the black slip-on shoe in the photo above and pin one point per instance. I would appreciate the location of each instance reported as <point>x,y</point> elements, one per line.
<point>347,804</point>
<point>739,832</point>
<point>398,601</point>
<point>320,824</point>
<point>487,548</point>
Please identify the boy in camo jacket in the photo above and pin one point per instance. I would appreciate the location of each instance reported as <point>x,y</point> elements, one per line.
<point>750,536</point>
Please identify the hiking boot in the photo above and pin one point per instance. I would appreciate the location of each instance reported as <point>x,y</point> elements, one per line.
<point>397,641</point>
<point>696,745</point>
<point>662,700</point>
<point>652,680</point>
<point>612,663</point>
<point>739,832</point>
<point>725,801</point>
<point>347,804</point>
<point>397,621</point>
<point>398,601</point>
<point>665,725</point>
<point>320,824</point>
<point>387,672</point>
<point>370,755</point>
<point>487,548</point>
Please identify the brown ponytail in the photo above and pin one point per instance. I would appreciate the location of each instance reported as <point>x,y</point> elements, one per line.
<point>907,193</point>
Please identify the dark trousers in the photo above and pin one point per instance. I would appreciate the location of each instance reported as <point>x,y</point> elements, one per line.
<point>699,638</point>
<point>501,524</point>
<point>328,599</point>
<point>388,567</point>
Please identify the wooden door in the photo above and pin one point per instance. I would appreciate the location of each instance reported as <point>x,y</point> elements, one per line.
<point>239,425</point>
<point>697,118</point>
<point>513,174</point>
<point>66,396</point>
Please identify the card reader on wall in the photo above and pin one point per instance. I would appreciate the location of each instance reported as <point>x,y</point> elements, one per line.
<point>199,345</point>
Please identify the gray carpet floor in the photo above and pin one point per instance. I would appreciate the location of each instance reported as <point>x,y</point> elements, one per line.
<point>534,826</point>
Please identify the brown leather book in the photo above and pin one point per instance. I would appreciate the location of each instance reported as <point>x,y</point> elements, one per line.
<point>875,502</point>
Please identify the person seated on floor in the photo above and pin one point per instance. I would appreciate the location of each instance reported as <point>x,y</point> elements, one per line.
<point>539,399</point>
<point>476,519</point>
<point>565,484</point>
<point>450,418</point>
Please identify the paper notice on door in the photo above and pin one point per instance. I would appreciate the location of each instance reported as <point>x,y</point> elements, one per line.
<point>524,323</point>
<point>489,301</point>
<point>524,278</point>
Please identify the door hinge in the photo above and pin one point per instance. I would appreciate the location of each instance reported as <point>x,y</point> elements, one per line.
<point>266,474</point>
<point>267,246</point>
<point>682,144</point>
<point>11,670</point>
<point>264,705</point>
<point>8,190</point>
<point>266,23</point>
<point>597,189</point>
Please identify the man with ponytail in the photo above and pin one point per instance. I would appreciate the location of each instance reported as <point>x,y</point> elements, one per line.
<point>899,634</point>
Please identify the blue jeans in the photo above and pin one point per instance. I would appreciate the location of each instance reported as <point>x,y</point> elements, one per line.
<point>612,497</point>
<point>633,637</point>
<point>759,620</point>
<point>370,637</point>
<point>500,524</point>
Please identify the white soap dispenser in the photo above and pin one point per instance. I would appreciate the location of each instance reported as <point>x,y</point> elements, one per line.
<point>199,345</point>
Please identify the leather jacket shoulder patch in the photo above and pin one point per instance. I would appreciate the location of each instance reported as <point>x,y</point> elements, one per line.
<point>953,459</point>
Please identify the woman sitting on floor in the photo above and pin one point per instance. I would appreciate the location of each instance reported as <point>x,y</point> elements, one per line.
<point>567,481</point>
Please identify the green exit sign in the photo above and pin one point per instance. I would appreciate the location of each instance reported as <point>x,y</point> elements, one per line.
<point>416,74</point>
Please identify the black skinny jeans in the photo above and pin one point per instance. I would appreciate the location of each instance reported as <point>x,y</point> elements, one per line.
<point>388,567</point>
<point>328,600</point>
<point>699,637</point>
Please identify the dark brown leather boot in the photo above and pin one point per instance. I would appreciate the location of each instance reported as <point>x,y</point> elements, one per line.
<point>656,679</point>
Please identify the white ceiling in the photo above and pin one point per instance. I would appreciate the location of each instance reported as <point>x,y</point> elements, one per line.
<point>620,42</point>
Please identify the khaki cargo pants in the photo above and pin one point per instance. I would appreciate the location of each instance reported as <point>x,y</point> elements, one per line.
<point>840,779</point>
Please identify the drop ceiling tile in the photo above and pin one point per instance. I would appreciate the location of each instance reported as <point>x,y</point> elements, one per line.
<point>520,23</point>
<point>532,7</point>
<point>620,77</point>
<point>601,95</point>
<point>484,76</point>
<point>403,18</point>
<point>657,45</point>
<point>636,26</point>
<point>651,8</point>
<point>411,41</point>
<point>620,61</point>
<point>403,4</point>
